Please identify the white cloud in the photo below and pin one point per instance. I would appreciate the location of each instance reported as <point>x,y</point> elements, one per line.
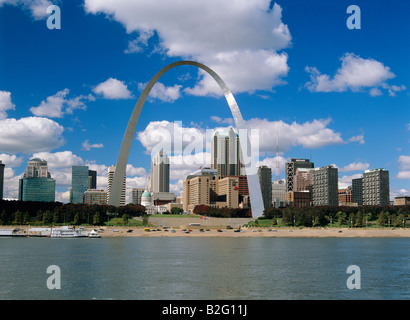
<point>58,105</point>
<point>5,104</point>
<point>355,74</point>
<point>355,166</point>
<point>346,181</point>
<point>87,146</point>
<point>37,8</point>
<point>11,160</point>
<point>239,41</point>
<point>135,171</point>
<point>163,135</point>
<point>314,134</point>
<point>162,92</point>
<point>277,165</point>
<point>358,138</point>
<point>228,121</point>
<point>31,134</point>
<point>61,159</point>
<point>404,172</point>
<point>113,89</point>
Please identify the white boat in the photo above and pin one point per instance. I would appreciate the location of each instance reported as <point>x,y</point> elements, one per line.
<point>66,232</point>
<point>93,234</point>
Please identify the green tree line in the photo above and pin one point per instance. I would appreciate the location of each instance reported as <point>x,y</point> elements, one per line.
<point>393,216</point>
<point>48,213</point>
<point>222,212</point>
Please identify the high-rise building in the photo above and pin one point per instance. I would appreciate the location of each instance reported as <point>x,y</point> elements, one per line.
<point>278,193</point>
<point>92,179</point>
<point>208,188</point>
<point>79,183</point>
<point>159,180</point>
<point>95,196</point>
<point>2,165</point>
<point>376,187</point>
<point>325,186</point>
<point>291,168</point>
<point>111,171</point>
<point>265,180</point>
<point>226,155</point>
<point>357,191</point>
<point>37,184</point>
<point>136,195</point>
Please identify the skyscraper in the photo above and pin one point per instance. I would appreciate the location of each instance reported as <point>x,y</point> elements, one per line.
<point>79,183</point>
<point>92,179</point>
<point>111,171</point>
<point>37,184</point>
<point>265,180</point>
<point>226,155</point>
<point>159,181</point>
<point>2,165</point>
<point>325,186</point>
<point>291,167</point>
<point>376,187</point>
<point>136,195</point>
<point>357,191</point>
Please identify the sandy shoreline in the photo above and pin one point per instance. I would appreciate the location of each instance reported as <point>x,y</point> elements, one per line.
<point>111,232</point>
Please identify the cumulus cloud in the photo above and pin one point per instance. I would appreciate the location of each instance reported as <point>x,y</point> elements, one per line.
<point>355,74</point>
<point>355,166</point>
<point>404,165</point>
<point>11,160</point>
<point>113,89</point>
<point>87,146</point>
<point>346,181</point>
<point>5,104</point>
<point>241,42</point>
<point>31,134</point>
<point>58,105</point>
<point>60,159</point>
<point>162,92</point>
<point>36,8</point>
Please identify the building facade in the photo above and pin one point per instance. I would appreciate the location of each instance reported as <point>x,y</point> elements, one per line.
<point>36,183</point>
<point>279,193</point>
<point>79,183</point>
<point>226,154</point>
<point>325,186</point>
<point>345,197</point>
<point>212,190</point>
<point>376,187</point>
<point>111,171</point>
<point>357,191</point>
<point>159,180</point>
<point>95,196</point>
<point>136,195</point>
<point>291,168</point>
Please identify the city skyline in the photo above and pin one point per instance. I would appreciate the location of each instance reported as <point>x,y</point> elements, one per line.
<point>343,101</point>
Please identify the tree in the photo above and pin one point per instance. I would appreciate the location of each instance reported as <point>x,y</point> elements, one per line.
<point>383,218</point>
<point>176,210</point>
<point>76,219</point>
<point>97,219</point>
<point>341,216</point>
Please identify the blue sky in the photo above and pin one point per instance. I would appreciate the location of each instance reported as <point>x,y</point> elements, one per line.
<point>335,95</point>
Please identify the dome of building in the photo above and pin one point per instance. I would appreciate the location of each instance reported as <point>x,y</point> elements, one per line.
<point>146,198</point>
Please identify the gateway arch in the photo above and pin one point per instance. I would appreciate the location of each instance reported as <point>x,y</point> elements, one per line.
<point>120,169</point>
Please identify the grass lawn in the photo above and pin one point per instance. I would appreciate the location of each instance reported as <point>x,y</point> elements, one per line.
<point>131,223</point>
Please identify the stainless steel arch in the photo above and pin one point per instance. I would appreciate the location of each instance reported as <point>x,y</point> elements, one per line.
<point>253,179</point>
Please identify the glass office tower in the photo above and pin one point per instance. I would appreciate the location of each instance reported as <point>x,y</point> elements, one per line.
<point>79,183</point>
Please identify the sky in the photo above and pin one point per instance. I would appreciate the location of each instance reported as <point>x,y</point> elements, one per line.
<point>312,87</point>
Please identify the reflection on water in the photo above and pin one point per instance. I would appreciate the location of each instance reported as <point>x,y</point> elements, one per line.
<point>205,268</point>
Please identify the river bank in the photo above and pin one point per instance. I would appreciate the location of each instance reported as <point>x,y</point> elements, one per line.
<point>113,231</point>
